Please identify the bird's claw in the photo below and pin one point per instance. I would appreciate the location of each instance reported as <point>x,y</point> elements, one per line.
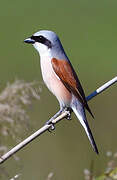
<point>68,116</point>
<point>69,110</point>
<point>52,127</point>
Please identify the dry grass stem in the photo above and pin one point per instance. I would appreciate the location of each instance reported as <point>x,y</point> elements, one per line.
<point>14,99</point>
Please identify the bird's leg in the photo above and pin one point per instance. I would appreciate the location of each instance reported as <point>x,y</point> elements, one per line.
<point>62,109</point>
<point>55,116</point>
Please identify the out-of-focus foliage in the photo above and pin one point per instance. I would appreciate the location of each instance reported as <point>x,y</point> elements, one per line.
<point>15,177</point>
<point>14,99</point>
<point>110,170</point>
<point>111,175</point>
<point>50,176</point>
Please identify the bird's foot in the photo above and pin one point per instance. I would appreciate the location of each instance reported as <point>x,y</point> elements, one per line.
<point>68,117</point>
<point>69,110</point>
<point>49,122</point>
<point>52,127</point>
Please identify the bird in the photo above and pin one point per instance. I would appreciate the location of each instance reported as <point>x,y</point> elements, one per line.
<point>60,78</point>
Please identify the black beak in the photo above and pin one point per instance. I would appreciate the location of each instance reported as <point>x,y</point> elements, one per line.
<point>29,41</point>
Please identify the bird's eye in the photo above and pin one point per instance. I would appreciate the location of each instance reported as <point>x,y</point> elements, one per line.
<point>41,37</point>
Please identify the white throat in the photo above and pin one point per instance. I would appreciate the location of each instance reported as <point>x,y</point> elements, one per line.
<point>42,49</point>
<point>56,51</point>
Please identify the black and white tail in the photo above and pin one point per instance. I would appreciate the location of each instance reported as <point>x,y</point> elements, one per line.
<point>80,113</point>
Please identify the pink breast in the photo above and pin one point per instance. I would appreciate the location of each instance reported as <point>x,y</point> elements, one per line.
<point>54,84</point>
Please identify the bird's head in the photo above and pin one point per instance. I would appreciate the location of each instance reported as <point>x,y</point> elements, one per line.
<point>44,41</point>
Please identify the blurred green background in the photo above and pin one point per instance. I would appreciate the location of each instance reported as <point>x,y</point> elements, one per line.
<point>88,31</point>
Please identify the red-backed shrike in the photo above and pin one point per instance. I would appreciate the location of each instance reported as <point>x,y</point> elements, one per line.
<point>60,77</point>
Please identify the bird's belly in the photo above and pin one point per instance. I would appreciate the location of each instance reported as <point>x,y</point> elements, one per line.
<point>54,84</point>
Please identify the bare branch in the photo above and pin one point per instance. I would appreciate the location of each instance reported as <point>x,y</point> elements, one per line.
<point>102,88</point>
<point>46,127</point>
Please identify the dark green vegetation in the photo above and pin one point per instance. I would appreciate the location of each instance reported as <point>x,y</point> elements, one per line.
<point>88,31</point>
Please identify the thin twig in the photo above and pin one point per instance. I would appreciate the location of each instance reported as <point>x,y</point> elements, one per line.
<point>102,88</point>
<point>46,127</point>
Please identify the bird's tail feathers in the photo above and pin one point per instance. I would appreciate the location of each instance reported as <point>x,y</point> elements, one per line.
<point>80,113</point>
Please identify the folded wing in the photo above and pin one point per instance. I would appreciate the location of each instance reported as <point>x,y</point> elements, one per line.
<point>68,76</point>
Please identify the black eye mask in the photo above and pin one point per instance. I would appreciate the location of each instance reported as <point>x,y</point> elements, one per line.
<point>43,40</point>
